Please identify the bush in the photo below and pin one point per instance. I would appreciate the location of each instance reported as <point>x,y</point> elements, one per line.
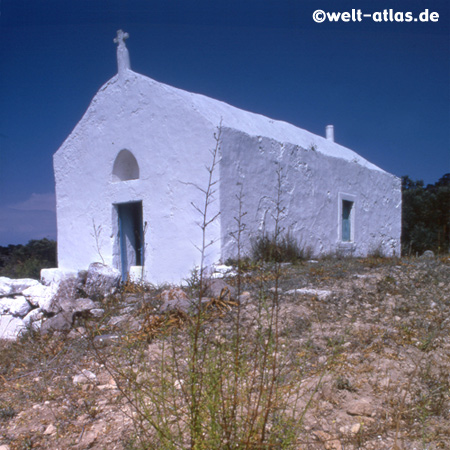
<point>193,384</point>
<point>285,248</point>
<point>26,261</point>
<point>425,216</point>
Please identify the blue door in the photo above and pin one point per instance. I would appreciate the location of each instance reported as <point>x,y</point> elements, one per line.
<point>131,236</point>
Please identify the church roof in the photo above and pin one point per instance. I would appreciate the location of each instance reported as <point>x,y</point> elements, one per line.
<point>216,112</point>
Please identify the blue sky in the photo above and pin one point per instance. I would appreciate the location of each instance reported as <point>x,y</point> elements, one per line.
<point>385,86</point>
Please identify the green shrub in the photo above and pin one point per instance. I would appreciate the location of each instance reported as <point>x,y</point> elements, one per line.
<point>425,216</point>
<point>26,261</point>
<point>271,248</point>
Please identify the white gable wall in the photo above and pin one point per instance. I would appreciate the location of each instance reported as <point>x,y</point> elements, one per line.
<point>171,144</point>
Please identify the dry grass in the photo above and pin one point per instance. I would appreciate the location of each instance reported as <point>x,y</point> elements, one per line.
<point>365,368</point>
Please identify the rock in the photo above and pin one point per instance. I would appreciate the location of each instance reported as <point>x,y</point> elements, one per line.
<point>17,306</point>
<point>175,298</point>
<point>5,447</point>
<point>51,429</point>
<point>427,254</point>
<point>133,298</point>
<point>86,376</point>
<point>33,319</point>
<point>79,305</point>
<point>111,384</point>
<point>56,276</point>
<point>274,289</point>
<point>60,322</point>
<point>18,286</point>
<point>90,437</point>
<point>97,312</point>
<point>106,339</point>
<point>221,270</point>
<point>67,291</point>
<point>5,286</point>
<point>10,327</point>
<point>360,407</point>
<point>245,298</point>
<point>101,281</point>
<point>67,304</point>
<point>178,384</point>
<point>320,294</point>
<point>219,289</point>
<point>43,296</point>
<point>84,304</point>
<point>76,333</point>
<point>116,320</point>
<point>355,428</point>
<point>328,441</point>
<point>11,287</point>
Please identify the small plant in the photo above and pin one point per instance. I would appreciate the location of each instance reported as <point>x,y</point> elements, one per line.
<point>97,231</point>
<point>376,252</point>
<point>343,383</point>
<point>7,412</point>
<point>271,248</point>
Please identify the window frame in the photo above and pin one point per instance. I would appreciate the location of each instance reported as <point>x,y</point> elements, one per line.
<point>344,197</point>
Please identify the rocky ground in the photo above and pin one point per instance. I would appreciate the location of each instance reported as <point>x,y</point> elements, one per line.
<point>360,349</point>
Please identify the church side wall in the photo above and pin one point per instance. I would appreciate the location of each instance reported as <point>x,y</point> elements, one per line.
<point>313,188</point>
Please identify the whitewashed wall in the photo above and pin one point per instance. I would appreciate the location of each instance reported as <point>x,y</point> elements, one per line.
<point>172,146</point>
<point>312,186</point>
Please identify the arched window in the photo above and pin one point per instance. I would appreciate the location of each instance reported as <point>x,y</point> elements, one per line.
<point>125,167</point>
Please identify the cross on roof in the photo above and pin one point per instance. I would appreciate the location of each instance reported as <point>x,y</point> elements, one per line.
<point>123,58</point>
<point>121,36</point>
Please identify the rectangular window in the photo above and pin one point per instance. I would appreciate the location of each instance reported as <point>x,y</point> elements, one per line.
<point>347,207</point>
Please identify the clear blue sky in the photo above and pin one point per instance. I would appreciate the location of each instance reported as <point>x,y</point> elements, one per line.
<point>384,86</point>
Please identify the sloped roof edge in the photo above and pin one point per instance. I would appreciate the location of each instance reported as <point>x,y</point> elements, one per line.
<point>253,124</point>
<point>218,112</point>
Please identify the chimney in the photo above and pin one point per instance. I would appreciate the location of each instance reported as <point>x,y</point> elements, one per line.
<point>329,132</point>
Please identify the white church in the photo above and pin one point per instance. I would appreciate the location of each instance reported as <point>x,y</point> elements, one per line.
<point>130,172</point>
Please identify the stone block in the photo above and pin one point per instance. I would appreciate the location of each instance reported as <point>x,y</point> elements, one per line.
<point>16,306</point>
<point>43,296</point>
<point>10,327</point>
<point>101,280</point>
<point>50,276</point>
<point>10,287</point>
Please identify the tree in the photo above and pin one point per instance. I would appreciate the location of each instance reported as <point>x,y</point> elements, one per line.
<point>26,261</point>
<point>426,216</point>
